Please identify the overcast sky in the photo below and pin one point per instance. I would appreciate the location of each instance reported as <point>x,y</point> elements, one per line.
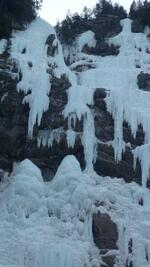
<point>54,10</point>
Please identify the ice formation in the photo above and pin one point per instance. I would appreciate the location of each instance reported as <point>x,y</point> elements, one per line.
<point>29,51</point>
<point>119,75</point>
<point>50,224</point>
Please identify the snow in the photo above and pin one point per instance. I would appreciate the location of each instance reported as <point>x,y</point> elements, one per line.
<point>87,37</point>
<point>42,222</point>
<point>73,52</point>
<point>51,224</point>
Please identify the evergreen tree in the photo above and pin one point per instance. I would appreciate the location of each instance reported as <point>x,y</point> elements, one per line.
<point>87,13</point>
<point>101,20</point>
<point>16,11</point>
<point>119,11</point>
<point>133,9</point>
<point>141,12</point>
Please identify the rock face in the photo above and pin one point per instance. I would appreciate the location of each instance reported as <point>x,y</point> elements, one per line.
<point>101,49</point>
<point>143,81</point>
<point>52,45</point>
<point>15,145</point>
<point>105,236</point>
<point>14,142</point>
<point>104,232</point>
<point>105,164</point>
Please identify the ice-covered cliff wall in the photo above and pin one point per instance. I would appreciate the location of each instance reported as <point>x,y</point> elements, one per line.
<point>94,109</point>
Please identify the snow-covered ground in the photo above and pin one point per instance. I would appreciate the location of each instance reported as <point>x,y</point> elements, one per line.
<point>50,225</point>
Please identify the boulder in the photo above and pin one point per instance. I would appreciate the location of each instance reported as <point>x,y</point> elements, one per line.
<point>143,81</point>
<point>101,49</point>
<point>105,233</point>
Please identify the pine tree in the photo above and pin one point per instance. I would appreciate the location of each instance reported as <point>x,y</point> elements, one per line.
<point>16,11</point>
<point>133,9</point>
<point>141,12</point>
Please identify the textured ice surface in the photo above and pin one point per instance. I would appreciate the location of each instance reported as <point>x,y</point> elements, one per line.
<point>44,225</point>
<point>50,224</point>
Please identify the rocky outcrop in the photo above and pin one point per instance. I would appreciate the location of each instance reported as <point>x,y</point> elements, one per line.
<point>105,164</point>
<point>101,49</point>
<point>105,232</point>
<point>105,237</point>
<point>2,175</point>
<point>15,145</point>
<point>104,124</point>
<point>14,142</point>
<point>52,45</point>
<point>143,81</point>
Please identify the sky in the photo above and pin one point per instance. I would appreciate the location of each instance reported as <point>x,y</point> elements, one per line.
<point>54,10</point>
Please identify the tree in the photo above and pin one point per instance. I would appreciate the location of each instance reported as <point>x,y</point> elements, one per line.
<point>119,11</point>
<point>103,19</point>
<point>5,25</point>
<point>140,11</point>
<point>106,8</point>
<point>133,9</point>
<point>87,13</point>
<point>16,11</point>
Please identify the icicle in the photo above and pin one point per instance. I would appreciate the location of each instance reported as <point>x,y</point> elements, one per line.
<point>48,137</point>
<point>142,154</point>
<point>115,107</point>
<point>89,140</point>
<point>72,120</point>
<point>71,138</point>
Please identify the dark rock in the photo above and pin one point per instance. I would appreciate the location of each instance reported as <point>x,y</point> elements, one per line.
<point>129,264</point>
<point>106,165</point>
<point>48,159</point>
<point>128,137</point>
<point>103,121</point>
<point>52,47</point>
<point>130,246</point>
<point>143,81</point>
<point>109,261</point>
<point>105,232</point>
<point>14,142</point>
<point>2,174</point>
<point>100,93</point>
<point>83,67</point>
<point>137,26</point>
<point>104,124</point>
<point>50,39</point>
<point>101,49</point>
